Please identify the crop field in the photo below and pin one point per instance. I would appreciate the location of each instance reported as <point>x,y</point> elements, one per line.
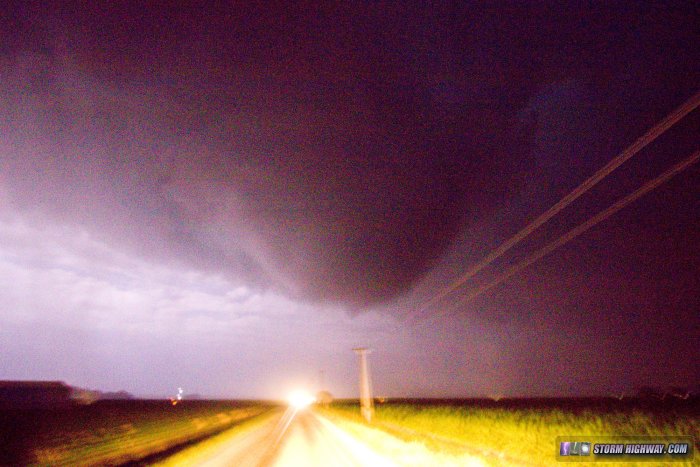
<point>524,432</point>
<point>505,432</point>
<point>114,432</point>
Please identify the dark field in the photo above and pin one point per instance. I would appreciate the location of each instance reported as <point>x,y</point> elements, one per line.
<point>573,404</point>
<point>114,432</point>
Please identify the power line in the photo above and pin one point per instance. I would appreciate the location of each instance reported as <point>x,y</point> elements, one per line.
<point>653,133</point>
<point>581,228</point>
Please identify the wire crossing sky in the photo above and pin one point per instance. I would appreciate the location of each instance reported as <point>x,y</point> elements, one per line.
<point>653,133</point>
<point>578,230</point>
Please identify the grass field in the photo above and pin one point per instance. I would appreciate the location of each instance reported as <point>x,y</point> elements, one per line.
<point>525,431</point>
<point>114,432</point>
<point>506,432</point>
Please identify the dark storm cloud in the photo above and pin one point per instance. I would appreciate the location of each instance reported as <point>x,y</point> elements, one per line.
<point>332,153</point>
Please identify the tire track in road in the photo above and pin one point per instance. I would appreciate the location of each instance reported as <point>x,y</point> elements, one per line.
<point>314,441</point>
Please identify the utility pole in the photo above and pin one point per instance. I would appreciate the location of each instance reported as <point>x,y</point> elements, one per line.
<point>366,406</point>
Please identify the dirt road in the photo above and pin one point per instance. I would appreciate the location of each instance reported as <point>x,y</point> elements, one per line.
<point>306,438</point>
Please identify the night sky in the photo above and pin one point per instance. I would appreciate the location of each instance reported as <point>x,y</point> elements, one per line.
<point>230,199</point>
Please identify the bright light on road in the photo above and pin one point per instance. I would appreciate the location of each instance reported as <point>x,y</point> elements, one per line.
<point>300,399</point>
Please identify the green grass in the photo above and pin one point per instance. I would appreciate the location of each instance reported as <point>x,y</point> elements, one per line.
<point>115,432</point>
<point>523,432</point>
